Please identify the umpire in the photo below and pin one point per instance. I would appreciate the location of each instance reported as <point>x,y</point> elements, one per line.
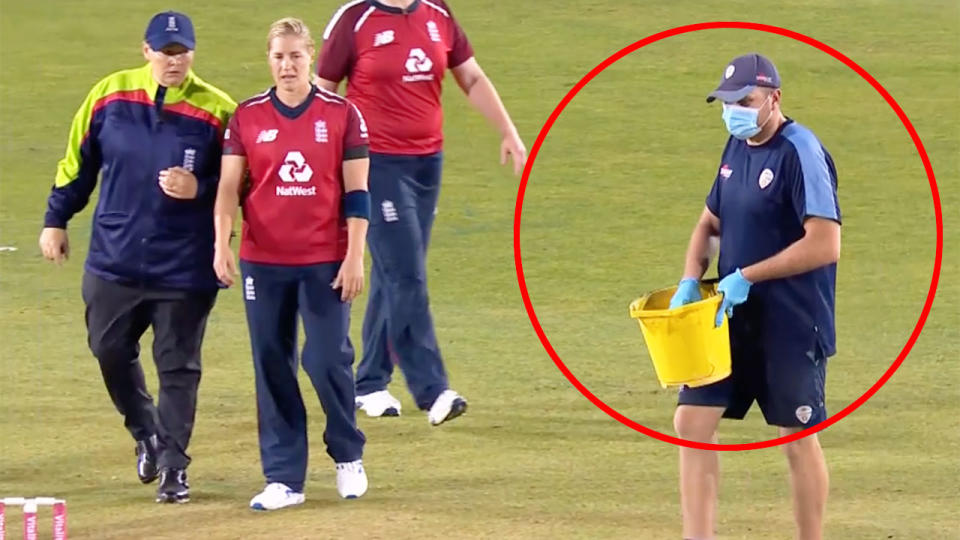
<point>153,136</point>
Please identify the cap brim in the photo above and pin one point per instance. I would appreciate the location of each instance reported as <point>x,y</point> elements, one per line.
<point>170,39</point>
<point>730,96</point>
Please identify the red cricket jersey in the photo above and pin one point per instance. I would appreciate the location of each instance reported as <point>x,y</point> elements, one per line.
<point>395,60</point>
<point>293,212</point>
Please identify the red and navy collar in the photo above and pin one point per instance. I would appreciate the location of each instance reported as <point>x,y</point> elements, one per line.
<point>392,9</point>
<point>291,112</point>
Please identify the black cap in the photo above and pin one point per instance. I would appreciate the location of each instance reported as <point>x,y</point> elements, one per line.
<point>170,27</point>
<point>742,75</point>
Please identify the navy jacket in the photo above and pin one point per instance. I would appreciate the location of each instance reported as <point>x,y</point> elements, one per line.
<point>128,130</point>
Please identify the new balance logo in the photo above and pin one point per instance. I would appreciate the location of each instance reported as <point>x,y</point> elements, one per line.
<point>267,135</point>
<point>249,292</point>
<point>433,31</point>
<point>389,211</point>
<point>420,64</point>
<point>383,38</point>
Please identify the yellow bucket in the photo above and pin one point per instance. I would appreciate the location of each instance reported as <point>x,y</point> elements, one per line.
<point>684,345</point>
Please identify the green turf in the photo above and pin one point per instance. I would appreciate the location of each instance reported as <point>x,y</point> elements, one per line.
<point>613,194</point>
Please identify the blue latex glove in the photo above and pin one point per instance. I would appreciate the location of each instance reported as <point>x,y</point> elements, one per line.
<point>688,290</point>
<point>734,289</point>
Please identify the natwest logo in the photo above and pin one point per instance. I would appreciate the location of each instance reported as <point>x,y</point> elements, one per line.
<point>296,191</point>
<point>420,65</point>
<point>295,168</point>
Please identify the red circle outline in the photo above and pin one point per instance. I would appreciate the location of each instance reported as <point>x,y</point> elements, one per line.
<point>745,26</point>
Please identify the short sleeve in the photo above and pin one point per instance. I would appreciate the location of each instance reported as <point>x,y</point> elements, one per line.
<point>232,143</point>
<point>355,139</point>
<point>794,175</point>
<point>811,172</point>
<point>460,48</point>
<point>336,56</point>
<point>723,172</point>
<point>713,198</point>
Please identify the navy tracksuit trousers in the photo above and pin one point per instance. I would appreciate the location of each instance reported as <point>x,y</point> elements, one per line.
<point>398,325</point>
<point>273,296</point>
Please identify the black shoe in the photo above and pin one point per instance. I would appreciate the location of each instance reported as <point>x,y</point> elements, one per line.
<point>147,459</point>
<point>173,486</point>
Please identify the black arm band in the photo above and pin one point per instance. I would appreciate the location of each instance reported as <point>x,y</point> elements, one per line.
<point>357,152</point>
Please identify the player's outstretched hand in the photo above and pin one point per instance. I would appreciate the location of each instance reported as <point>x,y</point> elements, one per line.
<point>225,265</point>
<point>54,244</point>
<point>349,279</point>
<point>688,291</point>
<point>178,183</point>
<point>734,289</point>
<point>513,147</point>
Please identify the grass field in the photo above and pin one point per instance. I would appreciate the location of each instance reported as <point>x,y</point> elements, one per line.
<point>609,205</point>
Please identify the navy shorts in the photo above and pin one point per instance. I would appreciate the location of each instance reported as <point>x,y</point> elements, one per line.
<point>786,378</point>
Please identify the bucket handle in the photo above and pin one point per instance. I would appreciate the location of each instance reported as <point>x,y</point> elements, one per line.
<point>715,281</point>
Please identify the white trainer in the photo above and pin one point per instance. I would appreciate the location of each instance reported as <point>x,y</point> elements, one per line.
<point>276,496</point>
<point>447,406</point>
<point>351,479</point>
<point>378,404</point>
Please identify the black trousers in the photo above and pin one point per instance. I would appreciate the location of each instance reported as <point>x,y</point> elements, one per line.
<point>117,316</point>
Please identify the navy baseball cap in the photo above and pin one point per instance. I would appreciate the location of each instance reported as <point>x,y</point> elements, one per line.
<point>170,27</point>
<point>742,75</point>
